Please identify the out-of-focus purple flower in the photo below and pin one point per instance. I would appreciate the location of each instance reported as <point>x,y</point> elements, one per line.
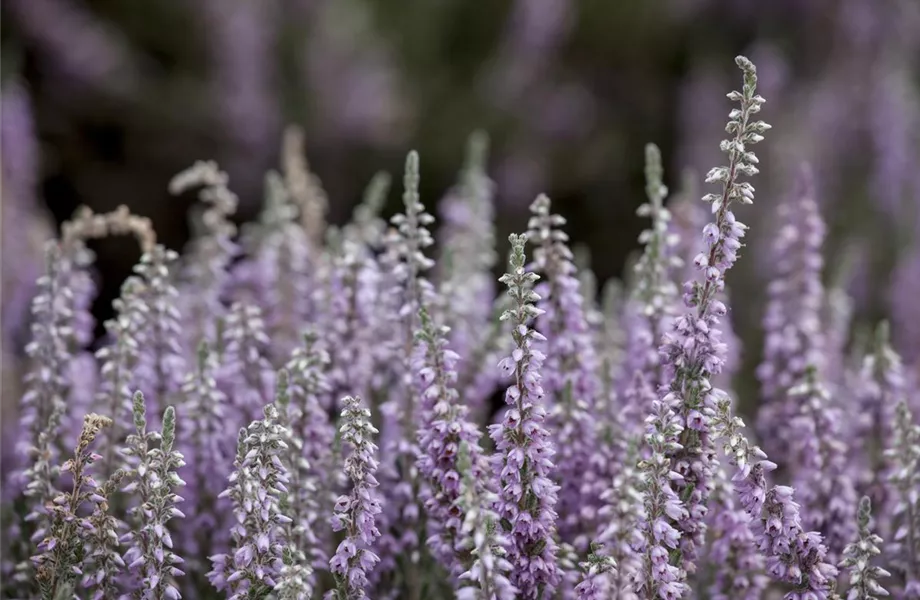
<point>794,333</point>
<point>444,428</point>
<point>738,566</point>
<point>523,462</point>
<point>309,421</point>
<point>905,289</point>
<point>821,471</point>
<point>792,555</point>
<point>245,369</point>
<point>204,271</point>
<point>356,512</point>
<point>570,373</point>
<point>903,457</point>
<point>663,507</point>
<point>482,537</point>
<point>77,44</point>
<point>598,570</point>
<point>467,239</point>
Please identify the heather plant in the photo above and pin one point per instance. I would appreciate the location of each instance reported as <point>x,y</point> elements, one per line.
<point>358,372</point>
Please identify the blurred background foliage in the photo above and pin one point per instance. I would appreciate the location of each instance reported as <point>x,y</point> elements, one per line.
<point>104,100</point>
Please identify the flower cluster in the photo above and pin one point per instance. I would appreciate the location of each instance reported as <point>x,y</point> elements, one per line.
<point>358,372</point>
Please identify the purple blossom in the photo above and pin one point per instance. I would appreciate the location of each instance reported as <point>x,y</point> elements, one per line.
<point>355,513</point>
<point>792,322</point>
<point>444,429</point>
<point>523,465</point>
<point>858,557</point>
<point>570,372</point>
<point>257,485</point>
<point>694,351</point>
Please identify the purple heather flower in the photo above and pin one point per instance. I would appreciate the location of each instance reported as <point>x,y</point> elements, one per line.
<point>153,479</point>
<point>654,296</point>
<point>882,386</point>
<point>858,556</point>
<point>205,447</point>
<point>663,507</point>
<point>257,486</point>
<point>694,350</point>
<point>570,372</point>
<point>310,423</point>
<point>793,556</point>
<point>300,503</point>
<point>597,569</point>
<point>522,464</point>
<point>903,457</point>
<point>104,562</point>
<point>481,536</point>
<point>443,430</point>
<point>792,323</point>
<point>204,272</point>
<point>622,515</point>
<point>245,369</point>
<point>58,562</point>
<point>367,227</point>
<point>468,255</point>
<point>739,568</point>
<point>821,471</point>
<point>905,288</point>
<point>162,358</point>
<point>355,513</point>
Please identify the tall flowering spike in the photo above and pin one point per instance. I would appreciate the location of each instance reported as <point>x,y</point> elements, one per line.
<point>118,360</point>
<point>60,553</point>
<point>739,568</point>
<point>257,486</point>
<point>623,514</point>
<point>598,570</point>
<point>300,502</point>
<point>246,367</point>
<point>304,186</point>
<point>694,350</point>
<point>309,420</point>
<point>413,229</point>
<point>468,255</point>
<point>162,358</point>
<point>355,513</point>
<point>858,557</point>
<point>210,253</point>
<point>882,386</point>
<point>794,334</point>
<point>903,458</point>
<point>283,263</point>
<point>104,562</point>
<point>444,429</point>
<point>569,374</point>
<point>822,472</point>
<point>663,507</point>
<point>522,463</point>
<point>209,456</point>
<point>793,556</point>
<point>655,296</point>
<point>153,480</point>
<point>366,226</point>
<point>481,536</point>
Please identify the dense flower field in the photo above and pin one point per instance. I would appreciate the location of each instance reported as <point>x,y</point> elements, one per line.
<point>301,411</point>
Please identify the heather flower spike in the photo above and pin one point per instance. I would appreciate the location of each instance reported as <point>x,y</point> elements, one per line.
<point>903,458</point>
<point>694,350</point>
<point>523,461</point>
<point>597,570</point>
<point>481,536</point>
<point>355,513</point>
<point>858,558</point>
<point>58,563</point>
